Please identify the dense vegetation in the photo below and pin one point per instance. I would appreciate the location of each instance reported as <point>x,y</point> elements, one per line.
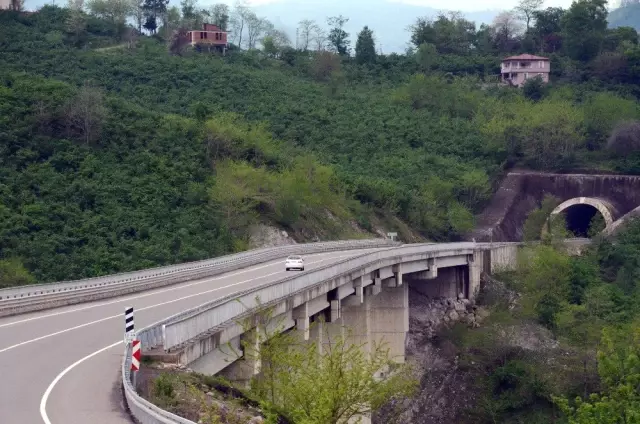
<point>122,151</point>
<point>585,368</point>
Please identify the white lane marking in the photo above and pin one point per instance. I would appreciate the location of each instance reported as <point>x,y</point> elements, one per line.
<point>46,336</point>
<point>153,293</point>
<point>47,393</point>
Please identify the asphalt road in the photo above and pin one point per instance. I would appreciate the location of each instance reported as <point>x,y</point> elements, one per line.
<point>61,366</point>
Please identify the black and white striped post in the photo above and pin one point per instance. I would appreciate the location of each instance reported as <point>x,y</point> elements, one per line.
<point>129,333</point>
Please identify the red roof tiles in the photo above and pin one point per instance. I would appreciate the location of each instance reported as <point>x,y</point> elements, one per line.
<point>525,57</point>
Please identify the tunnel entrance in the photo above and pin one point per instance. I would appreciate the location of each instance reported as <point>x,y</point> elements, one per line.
<point>581,218</point>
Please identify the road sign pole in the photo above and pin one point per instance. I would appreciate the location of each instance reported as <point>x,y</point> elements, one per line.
<point>129,333</point>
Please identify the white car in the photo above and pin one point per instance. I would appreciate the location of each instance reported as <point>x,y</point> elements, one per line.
<point>294,262</point>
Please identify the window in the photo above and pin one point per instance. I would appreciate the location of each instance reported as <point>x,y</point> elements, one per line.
<point>201,35</point>
<point>526,75</point>
<point>217,35</point>
<point>206,35</point>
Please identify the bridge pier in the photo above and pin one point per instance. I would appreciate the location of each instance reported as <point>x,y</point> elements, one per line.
<point>242,370</point>
<point>372,303</point>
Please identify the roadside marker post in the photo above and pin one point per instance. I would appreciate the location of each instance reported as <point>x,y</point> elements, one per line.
<point>135,360</point>
<point>129,333</point>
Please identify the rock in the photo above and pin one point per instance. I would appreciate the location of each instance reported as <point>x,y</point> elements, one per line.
<point>453,315</point>
<point>460,307</point>
<point>481,314</point>
<point>256,420</point>
<point>210,394</point>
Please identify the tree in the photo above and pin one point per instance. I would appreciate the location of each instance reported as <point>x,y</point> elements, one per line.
<point>619,371</point>
<point>526,10</point>
<point>189,9</point>
<point>86,113</point>
<point>625,138</point>
<point>115,11</point>
<point>151,24</point>
<point>154,9</point>
<point>76,23</point>
<point>338,37</point>
<point>539,218</point>
<point>507,28</point>
<point>320,38</point>
<point>548,27</point>
<point>179,40</point>
<point>13,273</point>
<point>238,21</point>
<point>534,88</point>
<point>274,40</point>
<point>426,56</point>
<point>584,26</point>
<point>332,381</point>
<point>220,16</point>
<point>449,33</point>
<point>305,34</point>
<point>256,26</point>
<point>547,132</point>
<point>171,23</point>
<point>325,65</point>
<point>365,47</point>
<point>16,5</point>
<point>137,7</point>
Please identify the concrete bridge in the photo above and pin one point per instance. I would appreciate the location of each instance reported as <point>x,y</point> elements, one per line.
<point>61,345</point>
<point>615,197</point>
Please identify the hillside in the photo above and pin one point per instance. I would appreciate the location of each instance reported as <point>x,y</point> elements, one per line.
<point>118,155</point>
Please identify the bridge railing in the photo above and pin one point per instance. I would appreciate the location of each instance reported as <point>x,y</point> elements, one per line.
<point>187,326</point>
<point>180,329</point>
<point>44,296</point>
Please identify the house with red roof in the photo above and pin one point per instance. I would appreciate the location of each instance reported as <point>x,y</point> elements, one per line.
<point>516,70</point>
<point>210,36</point>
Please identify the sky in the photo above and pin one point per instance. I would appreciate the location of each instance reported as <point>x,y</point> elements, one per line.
<point>461,5</point>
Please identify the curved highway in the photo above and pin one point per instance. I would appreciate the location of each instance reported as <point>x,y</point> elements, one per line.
<point>61,366</point>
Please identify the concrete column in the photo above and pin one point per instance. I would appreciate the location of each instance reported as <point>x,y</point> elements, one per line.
<point>476,263</point>
<point>334,312</point>
<point>332,331</point>
<point>432,272</point>
<point>357,322</point>
<point>301,317</point>
<point>317,334</point>
<point>397,273</point>
<point>375,288</point>
<point>390,319</point>
<point>242,370</point>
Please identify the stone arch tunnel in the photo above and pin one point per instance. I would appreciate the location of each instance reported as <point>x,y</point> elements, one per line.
<point>582,197</point>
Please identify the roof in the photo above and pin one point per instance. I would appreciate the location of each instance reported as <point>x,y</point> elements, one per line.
<point>525,57</point>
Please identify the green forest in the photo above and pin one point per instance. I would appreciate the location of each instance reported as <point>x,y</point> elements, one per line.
<point>122,148</point>
<point>122,151</point>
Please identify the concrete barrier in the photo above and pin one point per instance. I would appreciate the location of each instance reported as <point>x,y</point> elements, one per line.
<point>46,296</point>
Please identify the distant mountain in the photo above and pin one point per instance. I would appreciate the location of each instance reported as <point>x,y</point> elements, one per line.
<point>625,16</point>
<point>388,20</point>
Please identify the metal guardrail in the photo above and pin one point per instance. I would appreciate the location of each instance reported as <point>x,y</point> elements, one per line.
<point>141,409</point>
<point>45,296</point>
